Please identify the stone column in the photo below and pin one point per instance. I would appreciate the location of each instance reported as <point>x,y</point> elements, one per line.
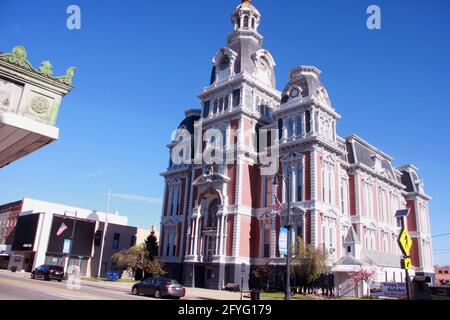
<point>219,226</point>
<point>273,236</point>
<point>261,237</point>
<point>196,233</point>
<point>293,184</point>
<point>314,228</point>
<point>303,124</point>
<point>222,235</point>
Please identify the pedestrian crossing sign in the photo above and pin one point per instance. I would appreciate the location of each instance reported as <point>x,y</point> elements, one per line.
<point>405,242</point>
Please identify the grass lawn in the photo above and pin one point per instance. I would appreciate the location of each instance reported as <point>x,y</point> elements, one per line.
<point>104,279</point>
<point>440,298</point>
<point>280,296</point>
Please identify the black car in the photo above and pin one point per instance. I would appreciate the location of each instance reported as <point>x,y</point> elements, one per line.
<point>159,288</point>
<point>48,272</point>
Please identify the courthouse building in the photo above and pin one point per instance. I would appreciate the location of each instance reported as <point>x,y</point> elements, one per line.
<point>344,191</point>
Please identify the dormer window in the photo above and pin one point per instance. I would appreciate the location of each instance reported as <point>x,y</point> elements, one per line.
<point>224,63</point>
<point>376,163</point>
<point>206,106</point>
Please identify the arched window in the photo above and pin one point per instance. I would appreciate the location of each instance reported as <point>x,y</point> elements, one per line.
<point>290,128</point>
<point>298,126</point>
<point>212,213</point>
<point>246,22</point>
<point>221,105</point>
<point>226,102</point>
<point>253,23</point>
<point>280,129</point>
<point>308,121</point>
<point>206,105</point>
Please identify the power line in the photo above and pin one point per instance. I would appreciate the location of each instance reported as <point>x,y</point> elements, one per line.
<point>441,235</point>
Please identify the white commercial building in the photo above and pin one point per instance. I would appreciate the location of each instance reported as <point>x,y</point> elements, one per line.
<point>57,234</point>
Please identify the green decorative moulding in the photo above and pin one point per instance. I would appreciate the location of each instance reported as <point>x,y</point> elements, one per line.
<point>18,57</point>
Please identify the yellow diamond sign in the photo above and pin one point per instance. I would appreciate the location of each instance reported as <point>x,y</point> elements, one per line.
<point>406,263</point>
<point>405,242</point>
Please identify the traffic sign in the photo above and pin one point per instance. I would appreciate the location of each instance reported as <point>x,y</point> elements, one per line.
<point>405,242</point>
<point>406,263</point>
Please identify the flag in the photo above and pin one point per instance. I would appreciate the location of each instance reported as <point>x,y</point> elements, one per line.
<point>278,205</point>
<point>61,229</point>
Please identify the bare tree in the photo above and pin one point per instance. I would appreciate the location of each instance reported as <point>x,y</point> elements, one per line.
<point>138,258</point>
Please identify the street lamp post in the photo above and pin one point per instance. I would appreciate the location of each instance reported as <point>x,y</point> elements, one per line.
<point>105,230</point>
<point>242,278</point>
<point>287,180</point>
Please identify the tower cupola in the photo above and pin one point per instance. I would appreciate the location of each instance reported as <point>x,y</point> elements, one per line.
<point>246,19</point>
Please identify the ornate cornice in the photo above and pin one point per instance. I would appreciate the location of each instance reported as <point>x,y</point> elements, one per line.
<point>18,57</point>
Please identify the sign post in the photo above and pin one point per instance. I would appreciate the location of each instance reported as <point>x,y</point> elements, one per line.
<point>405,242</point>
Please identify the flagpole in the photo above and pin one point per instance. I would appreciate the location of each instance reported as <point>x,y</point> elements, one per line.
<point>105,229</point>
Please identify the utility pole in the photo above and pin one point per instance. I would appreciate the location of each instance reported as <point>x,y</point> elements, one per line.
<point>105,230</point>
<point>67,256</point>
<point>288,186</point>
<point>289,227</point>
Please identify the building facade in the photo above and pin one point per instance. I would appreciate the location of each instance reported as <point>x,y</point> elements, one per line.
<point>9,213</point>
<point>442,276</point>
<point>344,192</point>
<point>57,234</point>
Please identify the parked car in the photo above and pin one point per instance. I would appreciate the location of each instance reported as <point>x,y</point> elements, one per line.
<point>159,288</point>
<point>48,272</point>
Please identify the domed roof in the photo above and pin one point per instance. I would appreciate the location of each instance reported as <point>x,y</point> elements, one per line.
<point>305,83</point>
<point>192,116</point>
<point>246,5</point>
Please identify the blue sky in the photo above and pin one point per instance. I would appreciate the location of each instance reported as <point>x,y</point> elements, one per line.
<point>142,63</point>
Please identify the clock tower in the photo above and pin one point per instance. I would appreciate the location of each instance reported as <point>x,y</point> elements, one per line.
<point>238,101</point>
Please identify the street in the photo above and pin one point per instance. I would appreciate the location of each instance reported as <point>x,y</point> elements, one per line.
<point>19,286</point>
